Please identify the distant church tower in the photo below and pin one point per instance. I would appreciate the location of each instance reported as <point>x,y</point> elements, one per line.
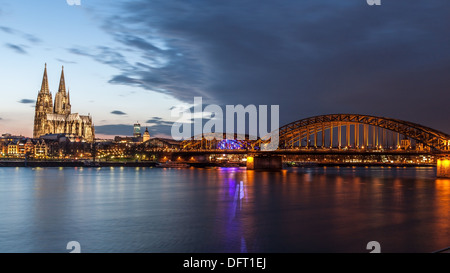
<point>44,106</point>
<point>146,136</point>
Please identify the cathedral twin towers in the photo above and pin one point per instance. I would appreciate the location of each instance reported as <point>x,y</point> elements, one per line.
<point>57,118</point>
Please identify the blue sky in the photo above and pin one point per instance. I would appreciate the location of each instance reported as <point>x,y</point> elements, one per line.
<point>37,32</point>
<point>128,61</point>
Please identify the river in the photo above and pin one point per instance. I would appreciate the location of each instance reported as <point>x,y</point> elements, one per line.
<point>211,210</point>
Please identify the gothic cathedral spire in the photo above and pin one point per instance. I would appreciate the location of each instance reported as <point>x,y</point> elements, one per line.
<point>62,102</point>
<point>44,106</point>
<point>62,83</point>
<point>44,85</point>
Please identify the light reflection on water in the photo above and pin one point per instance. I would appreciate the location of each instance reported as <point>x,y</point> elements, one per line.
<point>210,210</point>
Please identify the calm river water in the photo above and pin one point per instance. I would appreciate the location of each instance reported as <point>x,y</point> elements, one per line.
<point>210,210</point>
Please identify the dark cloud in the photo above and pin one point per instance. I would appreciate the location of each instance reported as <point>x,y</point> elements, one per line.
<point>160,129</point>
<point>122,79</point>
<point>31,38</point>
<point>26,101</point>
<point>7,30</point>
<point>27,36</point>
<point>117,112</point>
<point>17,48</point>
<point>137,42</point>
<point>114,129</point>
<point>158,126</point>
<point>127,130</point>
<point>155,125</point>
<point>154,120</point>
<point>102,54</point>
<point>309,57</point>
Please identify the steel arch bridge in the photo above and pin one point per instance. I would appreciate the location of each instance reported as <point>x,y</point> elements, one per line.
<point>295,133</point>
<point>335,131</point>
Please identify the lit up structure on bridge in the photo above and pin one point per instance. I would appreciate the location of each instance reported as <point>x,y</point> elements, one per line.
<point>219,141</point>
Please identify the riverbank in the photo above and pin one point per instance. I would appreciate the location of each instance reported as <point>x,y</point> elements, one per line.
<point>56,163</point>
<point>48,163</point>
<point>359,164</point>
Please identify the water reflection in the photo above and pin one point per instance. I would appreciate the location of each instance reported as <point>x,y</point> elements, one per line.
<point>441,210</point>
<point>223,210</point>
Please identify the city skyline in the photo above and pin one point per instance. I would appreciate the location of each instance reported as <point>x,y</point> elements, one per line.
<point>241,127</point>
<point>134,60</point>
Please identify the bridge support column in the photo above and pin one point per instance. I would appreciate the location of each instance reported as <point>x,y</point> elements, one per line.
<point>331,135</point>
<point>347,134</point>
<point>443,167</point>
<point>375,137</point>
<point>307,137</point>
<point>323,136</point>
<point>315,136</point>
<point>366,136</point>
<point>339,135</point>
<point>271,162</point>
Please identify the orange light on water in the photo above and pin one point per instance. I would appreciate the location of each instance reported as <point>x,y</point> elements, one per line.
<point>443,162</point>
<point>443,167</point>
<point>446,163</point>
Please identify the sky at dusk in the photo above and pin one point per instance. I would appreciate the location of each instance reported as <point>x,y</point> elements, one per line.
<point>128,61</point>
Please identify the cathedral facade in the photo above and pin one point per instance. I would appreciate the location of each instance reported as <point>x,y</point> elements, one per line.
<point>57,118</point>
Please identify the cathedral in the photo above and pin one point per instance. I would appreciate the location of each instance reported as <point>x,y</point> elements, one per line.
<point>58,118</point>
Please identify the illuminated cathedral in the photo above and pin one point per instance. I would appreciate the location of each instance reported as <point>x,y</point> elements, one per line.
<point>57,118</point>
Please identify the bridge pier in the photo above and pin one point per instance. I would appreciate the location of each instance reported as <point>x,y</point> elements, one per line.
<point>264,162</point>
<point>443,167</point>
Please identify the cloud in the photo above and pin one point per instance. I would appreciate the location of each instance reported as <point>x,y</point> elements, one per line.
<point>7,30</point>
<point>158,126</point>
<point>114,129</point>
<point>161,129</point>
<point>154,120</point>
<point>311,58</point>
<point>17,48</point>
<point>65,61</point>
<point>137,42</point>
<point>103,54</point>
<point>26,101</point>
<point>117,112</point>
<point>31,38</point>
<point>27,36</point>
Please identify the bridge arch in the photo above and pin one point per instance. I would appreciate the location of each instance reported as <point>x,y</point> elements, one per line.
<point>293,134</point>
